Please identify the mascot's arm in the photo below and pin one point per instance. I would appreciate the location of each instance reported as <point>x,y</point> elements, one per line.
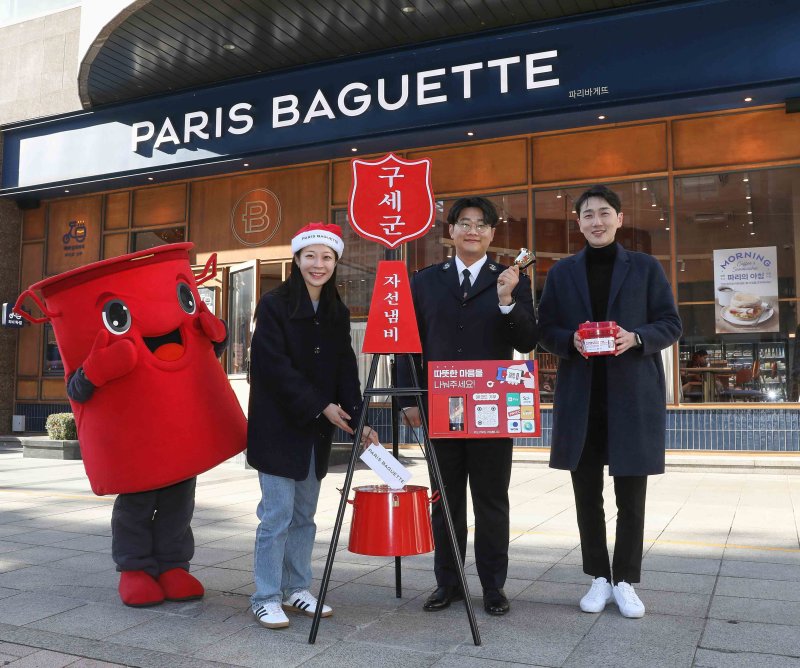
<point>106,362</point>
<point>214,328</point>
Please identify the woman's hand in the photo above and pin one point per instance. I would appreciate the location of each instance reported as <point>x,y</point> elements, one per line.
<point>337,416</point>
<point>369,437</point>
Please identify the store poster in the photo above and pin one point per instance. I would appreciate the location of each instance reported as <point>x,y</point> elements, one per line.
<point>746,290</point>
<point>483,399</point>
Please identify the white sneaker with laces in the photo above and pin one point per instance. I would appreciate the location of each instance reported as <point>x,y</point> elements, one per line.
<point>304,602</point>
<point>271,615</point>
<point>629,604</point>
<point>597,597</point>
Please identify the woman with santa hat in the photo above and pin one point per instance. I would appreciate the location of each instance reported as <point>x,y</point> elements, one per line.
<point>303,384</point>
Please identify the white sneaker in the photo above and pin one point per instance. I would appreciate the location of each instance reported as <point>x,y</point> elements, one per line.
<point>303,601</point>
<point>270,615</point>
<point>629,604</point>
<point>597,597</point>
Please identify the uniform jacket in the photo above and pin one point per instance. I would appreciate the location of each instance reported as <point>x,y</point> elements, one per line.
<point>452,328</point>
<point>640,300</point>
<point>299,365</point>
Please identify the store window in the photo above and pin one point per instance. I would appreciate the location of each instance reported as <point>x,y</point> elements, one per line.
<point>241,309</point>
<point>153,238</point>
<point>645,228</point>
<point>52,364</point>
<point>738,241</point>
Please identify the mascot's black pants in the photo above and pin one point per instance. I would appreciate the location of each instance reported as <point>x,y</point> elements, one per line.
<point>151,531</point>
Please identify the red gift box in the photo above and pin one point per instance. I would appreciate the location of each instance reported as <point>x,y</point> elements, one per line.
<point>599,338</point>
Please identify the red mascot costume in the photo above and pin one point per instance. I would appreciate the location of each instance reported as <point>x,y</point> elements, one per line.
<point>152,404</point>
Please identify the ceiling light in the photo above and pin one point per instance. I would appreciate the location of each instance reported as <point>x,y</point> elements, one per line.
<point>247,164</point>
<point>748,99</point>
<point>662,218</point>
<point>653,204</point>
<point>749,213</point>
<point>229,47</point>
<point>683,265</point>
<point>408,9</point>
<point>745,179</point>
<point>66,190</point>
<point>747,196</point>
<point>667,229</point>
<point>559,195</point>
<point>470,134</point>
<point>749,222</point>
<point>644,186</point>
<point>601,117</point>
<point>752,234</point>
<point>149,178</point>
<point>354,149</point>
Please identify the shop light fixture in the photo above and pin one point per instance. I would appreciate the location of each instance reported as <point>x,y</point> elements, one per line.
<point>66,190</point>
<point>644,186</point>
<point>667,229</point>
<point>408,9</point>
<point>746,179</point>
<point>749,222</point>
<point>247,164</point>
<point>470,134</point>
<point>601,117</point>
<point>747,196</point>
<point>752,234</point>
<point>354,149</point>
<point>749,212</point>
<point>149,178</point>
<point>559,195</point>
<point>229,47</point>
<point>748,99</point>
<point>683,265</point>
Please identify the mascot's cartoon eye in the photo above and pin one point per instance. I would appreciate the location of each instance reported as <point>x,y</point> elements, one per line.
<point>186,298</point>
<point>116,317</point>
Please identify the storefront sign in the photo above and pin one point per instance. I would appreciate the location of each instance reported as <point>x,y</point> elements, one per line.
<point>547,71</point>
<point>746,289</point>
<point>391,200</point>
<point>483,399</point>
<point>11,319</point>
<point>208,297</point>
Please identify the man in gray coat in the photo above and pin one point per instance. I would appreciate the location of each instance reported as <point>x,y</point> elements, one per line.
<point>609,410</point>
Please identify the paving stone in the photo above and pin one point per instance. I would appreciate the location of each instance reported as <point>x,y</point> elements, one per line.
<point>751,637</point>
<point>213,556</point>
<point>255,646</point>
<point>755,610</point>
<point>654,640</point>
<point>673,564</point>
<point>222,579</point>
<point>762,571</point>
<point>355,655</point>
<point>530,633</point>
<point>30,606</point>
<point>461,661</point>
<point>44,659</point>
<point>95,620</point>
<point>181,635</point>
<point>708,658</point>
<point>749,588</point>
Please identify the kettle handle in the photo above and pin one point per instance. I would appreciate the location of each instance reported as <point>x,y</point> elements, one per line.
<point>35,299</point>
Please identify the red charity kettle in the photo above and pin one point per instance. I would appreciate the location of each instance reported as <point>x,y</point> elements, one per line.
<point>391,522</point>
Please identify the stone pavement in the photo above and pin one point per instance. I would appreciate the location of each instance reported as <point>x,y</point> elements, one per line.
<point>721,581</point>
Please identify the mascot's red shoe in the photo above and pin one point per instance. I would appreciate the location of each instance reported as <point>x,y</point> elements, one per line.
<point>178,585</point>
<point>138,589</point>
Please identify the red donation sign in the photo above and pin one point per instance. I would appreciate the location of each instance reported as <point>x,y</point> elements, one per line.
<point>483,399</point>
<point>391,200</point>
<point>392,323</point>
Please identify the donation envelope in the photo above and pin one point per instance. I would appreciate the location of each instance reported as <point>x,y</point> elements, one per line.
<point>380,460</point>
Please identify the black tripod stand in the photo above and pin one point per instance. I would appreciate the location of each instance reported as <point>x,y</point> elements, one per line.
<point>436,479</point>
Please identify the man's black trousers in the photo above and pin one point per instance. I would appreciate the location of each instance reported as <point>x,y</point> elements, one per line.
<point>486,464</point>
<point>630,492</point>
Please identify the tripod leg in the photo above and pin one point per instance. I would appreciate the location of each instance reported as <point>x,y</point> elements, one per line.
<point>398,568</point>
<point>436,477</point>
<point>348,480</point>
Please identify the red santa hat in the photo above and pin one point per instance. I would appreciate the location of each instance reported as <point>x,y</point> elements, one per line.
<point>319,233</point>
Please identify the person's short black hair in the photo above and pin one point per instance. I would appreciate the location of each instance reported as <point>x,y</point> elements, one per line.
<point>701,353</point>
<point>604,192</point>
<point>489,211</point>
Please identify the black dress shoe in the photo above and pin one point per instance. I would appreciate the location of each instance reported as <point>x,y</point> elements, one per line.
<point>442,597</point>
<point>495,602</point>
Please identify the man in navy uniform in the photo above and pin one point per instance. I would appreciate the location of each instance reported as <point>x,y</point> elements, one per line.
<point>609,410</point>
<point>471,308</point>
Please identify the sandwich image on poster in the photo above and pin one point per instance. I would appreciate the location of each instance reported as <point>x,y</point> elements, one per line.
<point>746,290</point>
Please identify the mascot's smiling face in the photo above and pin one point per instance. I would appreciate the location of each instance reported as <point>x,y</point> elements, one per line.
<point>155,305</point>
<point>162,330</point>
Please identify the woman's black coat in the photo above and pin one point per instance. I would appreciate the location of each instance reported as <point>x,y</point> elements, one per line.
<point>299,364</point>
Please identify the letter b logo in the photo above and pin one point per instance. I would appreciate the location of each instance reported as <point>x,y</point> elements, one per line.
<point>256,217</point>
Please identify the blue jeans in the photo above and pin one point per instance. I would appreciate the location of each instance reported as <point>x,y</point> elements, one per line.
<point>285,535</point>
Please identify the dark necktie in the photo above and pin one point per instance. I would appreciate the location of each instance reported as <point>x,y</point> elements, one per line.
<point>466,284</point>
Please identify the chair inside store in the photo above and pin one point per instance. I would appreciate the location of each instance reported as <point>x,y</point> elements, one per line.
<point>747,385</point>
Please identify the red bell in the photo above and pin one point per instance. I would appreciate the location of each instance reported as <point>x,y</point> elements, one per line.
<point>391,522</point>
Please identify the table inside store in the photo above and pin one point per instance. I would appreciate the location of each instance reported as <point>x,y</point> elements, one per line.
<point>708,376</point>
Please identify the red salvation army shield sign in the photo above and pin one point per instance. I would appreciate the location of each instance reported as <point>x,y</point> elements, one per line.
<point>391,200</point>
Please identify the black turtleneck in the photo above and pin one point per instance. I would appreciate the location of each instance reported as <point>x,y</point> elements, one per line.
<point>599,267</point>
